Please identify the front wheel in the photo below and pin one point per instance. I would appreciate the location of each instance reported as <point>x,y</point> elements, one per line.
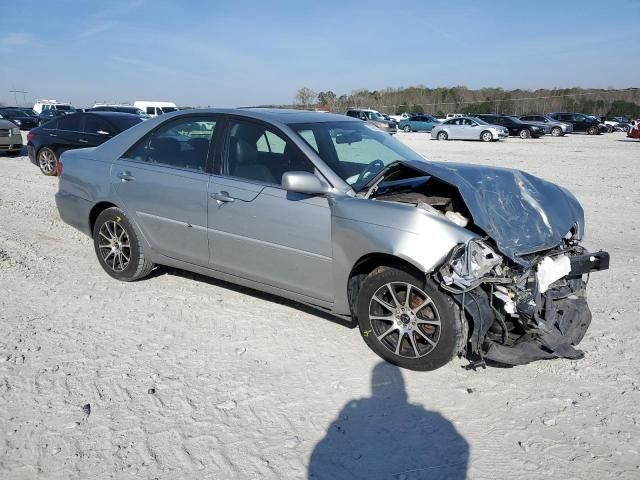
<point>486,137</point>
<point>443,136</point>
<point>525,133</point>
<point>593,131</point>
<point>118,248</point>
<point>407,128</point>
<point>407,321</point>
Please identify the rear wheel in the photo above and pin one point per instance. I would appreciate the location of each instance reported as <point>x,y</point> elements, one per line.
<point>443,136</point>
<point>407,321</point>
<point>48,161</point>
<point>525,133</point>
<point>486,136</point>
<point>593,130</point>
<point>407,128</point>
<point>556,131</point>
<point>117,247</point>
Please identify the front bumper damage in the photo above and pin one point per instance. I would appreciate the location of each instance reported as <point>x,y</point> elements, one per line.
<point>516,315</point>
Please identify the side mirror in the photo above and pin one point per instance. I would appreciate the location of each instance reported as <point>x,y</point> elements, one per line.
<point>303,182</point>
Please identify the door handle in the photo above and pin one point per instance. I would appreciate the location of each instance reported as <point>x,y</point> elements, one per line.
<point>53,135</point>
<point>82,140</point>
<point>222,196</point>
<point>126,176</point>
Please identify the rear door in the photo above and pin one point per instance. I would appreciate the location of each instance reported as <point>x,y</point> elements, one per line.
<point>96,130</point>
<point>162,182</point>
<point>69,132</point>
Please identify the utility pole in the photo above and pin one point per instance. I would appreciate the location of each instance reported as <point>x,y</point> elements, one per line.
<point>15,96</point>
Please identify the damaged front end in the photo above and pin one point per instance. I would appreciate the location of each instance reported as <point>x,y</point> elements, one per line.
<point>517,314</point>
<point>520,284</point>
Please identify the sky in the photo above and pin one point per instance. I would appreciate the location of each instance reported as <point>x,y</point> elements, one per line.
<point>242,52</point>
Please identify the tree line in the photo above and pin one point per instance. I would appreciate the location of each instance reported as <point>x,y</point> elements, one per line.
<point>460,99</point>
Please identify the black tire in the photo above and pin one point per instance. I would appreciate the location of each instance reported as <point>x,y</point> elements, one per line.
<point>443,136</point>
<point>486,136</point>
<point>47,161</point>
<point>407,128</point>
<point>525,133</point>
<point>109,225</point>
<point>415,352</point>
<point>557,132</point>
<point>593,131</point>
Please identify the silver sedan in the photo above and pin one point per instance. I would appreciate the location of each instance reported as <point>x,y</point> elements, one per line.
<point>430,259</point>
<point>468,128</point>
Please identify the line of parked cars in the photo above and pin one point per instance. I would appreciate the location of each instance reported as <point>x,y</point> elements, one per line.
<point>492,127</point>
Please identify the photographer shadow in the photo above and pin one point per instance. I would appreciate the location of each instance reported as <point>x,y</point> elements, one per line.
<point>386,437</point>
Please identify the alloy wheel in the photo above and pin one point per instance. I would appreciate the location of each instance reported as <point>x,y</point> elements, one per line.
<point>114,246</point>
<point>47,161</point>
<point>404,320</point>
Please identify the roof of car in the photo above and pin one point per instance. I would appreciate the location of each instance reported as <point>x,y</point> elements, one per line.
<point>277,115</point>
<point>107,114</point>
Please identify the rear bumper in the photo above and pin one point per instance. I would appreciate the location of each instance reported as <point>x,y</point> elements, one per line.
<point>74,211</point>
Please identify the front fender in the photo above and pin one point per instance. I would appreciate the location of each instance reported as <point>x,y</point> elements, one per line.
<point>363,227</point>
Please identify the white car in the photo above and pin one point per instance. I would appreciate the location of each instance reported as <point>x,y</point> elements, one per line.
<point>42,105</point>
<point>468,128</point>
<point>155,108</point>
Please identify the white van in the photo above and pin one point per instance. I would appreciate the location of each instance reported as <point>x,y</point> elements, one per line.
<point>155,108</point>
<point>42,105</point>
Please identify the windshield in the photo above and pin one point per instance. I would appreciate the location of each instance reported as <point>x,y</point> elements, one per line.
<point>168,109</point>
<point>65,108</point>
<point>354,151</point>
<point>124,122</point>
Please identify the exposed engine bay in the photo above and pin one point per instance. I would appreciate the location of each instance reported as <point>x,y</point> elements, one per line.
<point>515,308</point>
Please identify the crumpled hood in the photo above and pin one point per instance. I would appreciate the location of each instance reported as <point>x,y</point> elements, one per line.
<point>520,212</point>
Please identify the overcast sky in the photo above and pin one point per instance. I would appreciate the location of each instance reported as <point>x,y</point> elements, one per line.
<point>233,53</point>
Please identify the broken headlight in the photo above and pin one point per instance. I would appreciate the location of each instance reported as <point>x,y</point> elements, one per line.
<point>471,262</point>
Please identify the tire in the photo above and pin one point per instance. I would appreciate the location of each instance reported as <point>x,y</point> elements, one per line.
<point>433,324</point>
<point>609,129</point>
<point>486,136</point>
<point>593,131</point>
<point>407,128</point>
<point>110,244</point>
<point>525,133</point>
<point>48,162</point>
<point>443,136</point>
<point>557,132</point>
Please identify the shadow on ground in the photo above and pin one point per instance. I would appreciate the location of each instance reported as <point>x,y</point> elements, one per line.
<point>386,437</point>
<point>163,270</point>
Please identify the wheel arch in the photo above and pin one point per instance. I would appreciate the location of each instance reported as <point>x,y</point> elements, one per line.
<point>96,210</point>
<point>367,264</point>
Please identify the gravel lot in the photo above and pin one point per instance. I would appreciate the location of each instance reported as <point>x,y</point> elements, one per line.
<point>181,376</point>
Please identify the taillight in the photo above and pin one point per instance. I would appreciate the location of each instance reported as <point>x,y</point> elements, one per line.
<point>59,167</point>
<point>29,136</point>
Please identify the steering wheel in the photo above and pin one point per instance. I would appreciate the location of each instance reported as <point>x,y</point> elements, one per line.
<point>370,169</point>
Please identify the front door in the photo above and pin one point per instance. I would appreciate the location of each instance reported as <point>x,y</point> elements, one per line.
<point>162,182</point>
<point>259,231</point>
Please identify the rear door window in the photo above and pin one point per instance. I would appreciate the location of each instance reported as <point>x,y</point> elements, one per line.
<point>71,123</point>
<point>181,143</point>
<point>95,125</point>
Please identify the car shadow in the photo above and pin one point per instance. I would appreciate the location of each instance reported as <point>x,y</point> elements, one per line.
<point>632,140</point>
<point>384,436</point>
<point>318,312</point>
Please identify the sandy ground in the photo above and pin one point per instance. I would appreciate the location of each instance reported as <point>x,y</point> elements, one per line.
<point>179,376</point>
